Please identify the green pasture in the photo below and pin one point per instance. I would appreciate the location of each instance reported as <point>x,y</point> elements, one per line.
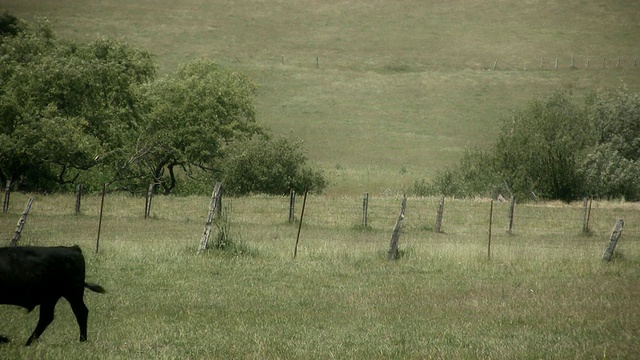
<point>545,292</point>
<point>382,92</point>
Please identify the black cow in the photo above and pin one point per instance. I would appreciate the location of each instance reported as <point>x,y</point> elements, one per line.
<point>32,276</point>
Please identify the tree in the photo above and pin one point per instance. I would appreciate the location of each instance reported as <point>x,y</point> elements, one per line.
<point>194,114</point>
<point>267,166</point>
<point>539,148</point>
<point>66,107</point>
<point>612,167</point>
<point>559,149</point>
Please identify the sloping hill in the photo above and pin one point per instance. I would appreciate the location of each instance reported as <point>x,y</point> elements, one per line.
<point>382,92</point>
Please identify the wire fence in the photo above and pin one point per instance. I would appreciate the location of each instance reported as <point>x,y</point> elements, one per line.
<point>552,224</point>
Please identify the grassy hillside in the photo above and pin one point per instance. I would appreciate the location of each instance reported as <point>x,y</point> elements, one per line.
<point>545,293</point>
<point>382,92</point>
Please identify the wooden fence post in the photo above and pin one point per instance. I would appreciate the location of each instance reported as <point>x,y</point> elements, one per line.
<point>615,235</point>
<point>78,198</point>
<point>215,202</point>
<point>438,228</point>
<point>147,204</point>
<point>585,227</point>
<point>365,209</point>
<point>292,206</point>
<point>21,222</point>
<point>490,224</point>
<point>7,195</point>
<point>392,254</point>
<point>512,207</point>
<point>304,203</point>
<point>104,190</point>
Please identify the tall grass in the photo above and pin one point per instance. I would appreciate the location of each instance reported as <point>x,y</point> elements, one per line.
<point>545,293</point>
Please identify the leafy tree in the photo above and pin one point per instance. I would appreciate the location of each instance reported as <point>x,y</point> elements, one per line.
<point>194,114</point>
<point>275,167</point>
<point>539,148</point>
<point>612,167</point>
<point>66,107</point>
<point>559,150</point>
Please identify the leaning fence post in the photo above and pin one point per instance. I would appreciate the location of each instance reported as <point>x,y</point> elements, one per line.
<point>615,235</point>
<point>439,215</point>
<point>7,195</point>
<point>365,209</point>
<point>585,227</point>
<point>392,254</point>
<point>21,222</point>
<point>304,204</point>
<point>104,191</point>
<point>215,202</point>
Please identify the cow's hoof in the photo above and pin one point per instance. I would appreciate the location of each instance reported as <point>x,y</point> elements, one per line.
<point>4,339</point>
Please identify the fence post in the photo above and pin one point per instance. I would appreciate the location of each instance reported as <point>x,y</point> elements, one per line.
<point>147,204</point>
<point>365,209</point>
<point>439,215</point>
<point>292,206</point>
<point>392,254</point>
<point>304,203</point>
<point>104,190</point>
<point>585,227</point>
<point>490,224</point>
<point>78,198</point>
<point>512,207</point>
<point>213,204</point>
<point>7,195</point>
<point>615,235</point>
<point>21,222</point>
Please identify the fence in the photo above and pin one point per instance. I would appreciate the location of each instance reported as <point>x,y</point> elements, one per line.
<point>593,62</point>
<point>553,224</point>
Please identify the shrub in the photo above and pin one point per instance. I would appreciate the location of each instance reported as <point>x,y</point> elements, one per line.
<point>275,167</point>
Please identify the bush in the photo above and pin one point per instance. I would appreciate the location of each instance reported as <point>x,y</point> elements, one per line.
<point>275,167</point>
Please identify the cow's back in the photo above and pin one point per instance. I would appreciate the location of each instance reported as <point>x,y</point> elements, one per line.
<point>30,275</point>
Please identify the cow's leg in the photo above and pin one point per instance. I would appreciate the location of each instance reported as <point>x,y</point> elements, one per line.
<point>4,339</point>
<point>46,317</point>
<point>80,311</point>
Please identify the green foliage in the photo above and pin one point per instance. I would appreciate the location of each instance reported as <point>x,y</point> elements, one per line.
<point>275,167</point>
<point>539,148</point>
<point>65,107</point>
<point>475,175</point>
<point>8,25</point>
<point>194,113</point>
<point>558,150</point>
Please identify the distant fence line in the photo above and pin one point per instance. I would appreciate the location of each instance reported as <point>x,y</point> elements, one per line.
<point>505,63</point>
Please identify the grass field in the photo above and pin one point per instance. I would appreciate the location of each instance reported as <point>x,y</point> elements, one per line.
<point>545,293</point>
<point>382,92</point>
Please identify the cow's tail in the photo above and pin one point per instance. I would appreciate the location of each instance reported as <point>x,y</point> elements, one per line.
<point>95,288</point>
